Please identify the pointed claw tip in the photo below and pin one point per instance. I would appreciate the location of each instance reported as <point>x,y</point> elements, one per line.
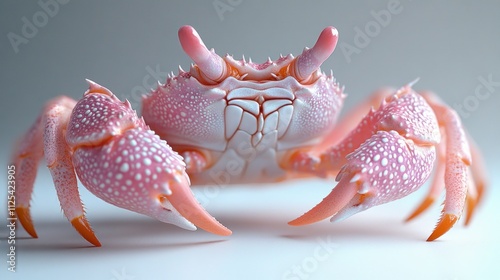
<point>310,217</point>
<point>481,187</point>
<point>185,203</point>
<point>223,231</point>
<point>428,201</point>
<point>81,225</point>
<point>471,207</point>
<point>24,216</point>
<point>335,201</point>
<point>300,221</point>
<point>445,224</point>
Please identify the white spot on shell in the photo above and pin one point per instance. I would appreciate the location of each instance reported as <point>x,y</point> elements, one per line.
<point>400,159</point>
<point>124,167</point>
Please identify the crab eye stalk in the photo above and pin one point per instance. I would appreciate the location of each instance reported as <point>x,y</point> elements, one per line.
<point>311,59</point>
<point>211,65</point>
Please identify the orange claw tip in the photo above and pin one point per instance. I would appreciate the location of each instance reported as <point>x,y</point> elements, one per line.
<point>213,226</point>
<point>300,221</point>
<point>471,207</point>
<point>481,186</point>
<point>200,218</point>
<point>185,203</point>
<point>335,201</point>
<point>83,227</point>
<point>446,222</point>
<point>421,208</point>
<point>23,215</point>
<point>318,213</point>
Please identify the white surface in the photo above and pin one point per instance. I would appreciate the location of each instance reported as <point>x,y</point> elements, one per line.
<point>374,244</point>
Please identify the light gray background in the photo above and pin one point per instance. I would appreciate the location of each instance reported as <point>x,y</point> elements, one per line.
<point>447,44</point>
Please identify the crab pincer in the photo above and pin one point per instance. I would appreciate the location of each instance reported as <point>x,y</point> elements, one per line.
<point>116,157</point>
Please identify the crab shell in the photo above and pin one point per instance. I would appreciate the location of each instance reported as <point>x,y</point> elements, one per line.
<point>247,122</point>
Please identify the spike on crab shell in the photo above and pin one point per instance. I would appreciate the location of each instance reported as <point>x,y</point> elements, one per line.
<point>181,71</point>
<point>127,104</point>
<point>412,83</point>
<point>97,88</point>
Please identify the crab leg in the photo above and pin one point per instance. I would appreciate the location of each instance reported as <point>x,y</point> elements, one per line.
<point>26,158</point>
<point>458,158</point>
<point>479,180</point>
<point>58,158</point>
<point>476,177</point>
<point>50,126</point>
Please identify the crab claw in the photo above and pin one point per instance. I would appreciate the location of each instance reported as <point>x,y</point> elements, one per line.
<point>311,59</point>
<point>120,160</point>
<point>212,66</point>
<point>369,178</point>
<point>138,171</point>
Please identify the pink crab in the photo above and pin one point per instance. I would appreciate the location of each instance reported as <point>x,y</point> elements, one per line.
<point>252,123</point>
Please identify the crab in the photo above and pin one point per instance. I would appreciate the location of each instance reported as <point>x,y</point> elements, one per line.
<point>242,122</point>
